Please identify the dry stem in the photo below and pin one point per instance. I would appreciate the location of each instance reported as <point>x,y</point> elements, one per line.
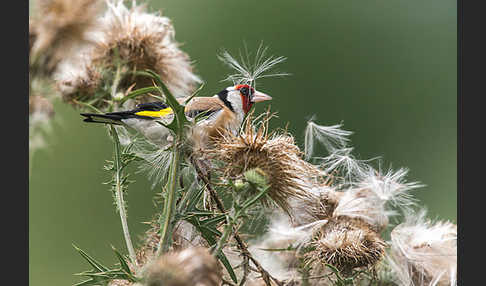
<point>240,243</point>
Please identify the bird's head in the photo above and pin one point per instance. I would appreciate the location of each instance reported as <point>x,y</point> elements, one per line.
<point>240,98</point>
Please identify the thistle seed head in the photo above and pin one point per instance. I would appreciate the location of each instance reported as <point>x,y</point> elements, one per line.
<point>320,205</point>
<point>41,113</point>
<point>130,40</point>
<point>424,252</point>
<point>121,282</point>
<point>57,29</point>
<point>371,198</point>
<point>184,236</point>
<point>346,244</point>
<point>191,266</point>
<point>275,154</point>
<point>40,107</point>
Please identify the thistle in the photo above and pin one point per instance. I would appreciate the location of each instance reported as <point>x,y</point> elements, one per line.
<point>40,111</point>
<point>275,154</point>
<point>127,40</point>
<point>424,252</point>
<point>58,29</point>
<point>191,266</point>
<point>346,244</point>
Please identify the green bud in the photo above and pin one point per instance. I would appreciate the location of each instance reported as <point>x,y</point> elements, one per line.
<point>239,185</point>
<point>118,96</point>
<point>256,176</point>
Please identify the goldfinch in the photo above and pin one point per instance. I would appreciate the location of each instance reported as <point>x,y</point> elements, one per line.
<point>225,111</point>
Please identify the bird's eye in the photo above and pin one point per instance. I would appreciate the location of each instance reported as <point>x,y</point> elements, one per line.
<point>244,91</point>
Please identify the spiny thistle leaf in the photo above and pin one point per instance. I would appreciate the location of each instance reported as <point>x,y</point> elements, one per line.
<point>102,275</point>
<point>98,266</point>
<point>123,262</point>
<point>256,198</point>
<point>212,222</point>
<point>194,94</point>
<point>138,92</point>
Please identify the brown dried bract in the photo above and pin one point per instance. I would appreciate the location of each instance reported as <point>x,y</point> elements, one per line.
<point>40,104</point>
<point>346,244</point>
<point>191,266</point>
<point>57,29</point>
<point>128,40</point>
<point>275,153</point>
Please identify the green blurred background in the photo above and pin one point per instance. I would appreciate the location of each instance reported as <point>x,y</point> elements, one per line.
<point>385,69</point>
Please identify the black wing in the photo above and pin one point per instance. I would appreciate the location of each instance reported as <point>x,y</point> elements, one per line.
<point>151,106</point>
<point>116,117</point>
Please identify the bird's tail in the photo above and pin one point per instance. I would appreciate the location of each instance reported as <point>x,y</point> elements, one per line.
<point>112,118</point>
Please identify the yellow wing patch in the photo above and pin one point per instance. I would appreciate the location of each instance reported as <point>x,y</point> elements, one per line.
<point>160,113</point>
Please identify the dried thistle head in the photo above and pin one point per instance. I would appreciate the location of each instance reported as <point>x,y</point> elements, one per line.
<point>278,249</point>
<point>121,282</point>
<point>423,252</point>
<point>191,266</point>
<point>40,106</point>
<point>318,205</point>
<point>41,112</point>
<point>363,204</point>
<point>275,154</point>
<point>32,35</point>
<point>81,84</point>
<point>129,40</point>
<point>346,244</point>
<point>371,198</point>
<point>57,29</point>
<point>184,236</point>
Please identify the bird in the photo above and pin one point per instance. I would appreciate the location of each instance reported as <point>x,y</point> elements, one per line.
<point>225,111</point>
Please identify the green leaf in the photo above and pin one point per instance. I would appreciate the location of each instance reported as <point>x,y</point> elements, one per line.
<point>102,275</point>
<point>194,94</point>
<point>194,199</point>
<point>209,231</point>
<point>98,266</point>
<point>200,213</point>
<point>139,92</point>
<point>228,267</point>
<point>202,116</point>
<point>87,105</point>
<point>212,222</point>
<point>123,262</point>
<point>341,281</point>
<point>255,199</point>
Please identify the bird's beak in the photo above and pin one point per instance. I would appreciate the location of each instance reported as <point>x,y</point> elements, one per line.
<point>260,96</point>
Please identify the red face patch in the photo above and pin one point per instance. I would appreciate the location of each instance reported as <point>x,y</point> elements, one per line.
<point>247,104</point>
<point>245,92</point>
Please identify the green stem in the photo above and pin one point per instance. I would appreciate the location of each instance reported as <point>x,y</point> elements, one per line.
<point>227,231</point>
<point>232,219</point>
<point>120,202</point>
<point>169,203</point>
